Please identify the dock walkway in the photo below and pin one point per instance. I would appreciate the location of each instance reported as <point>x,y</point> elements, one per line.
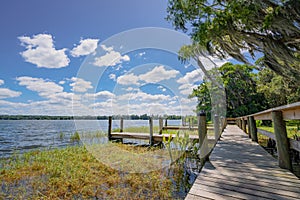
<point>241,169</point>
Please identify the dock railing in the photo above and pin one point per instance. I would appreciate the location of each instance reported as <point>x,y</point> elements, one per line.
<point>278,115</point>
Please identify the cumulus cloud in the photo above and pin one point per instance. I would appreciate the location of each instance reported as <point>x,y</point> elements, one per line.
<point>142,96</point>
<point>158,74</point>
<point>40,51</point>
<point>101,95</point>
<point>162,88</point>
<point>186,89</point>
<point>61,82</point>
<point>80,85</point>
<point>128,79</point>
<point>111,58</point>
<point>1,82</point>
<point>7,93</point>
<point>112,77</point>
<point>86,47</point>
<point>43,87</point>
<point>191,77</point>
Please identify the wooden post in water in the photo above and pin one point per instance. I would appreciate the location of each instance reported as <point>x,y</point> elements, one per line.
<point>282,141</point>
<point>121,125</point>
<point>202,132</point>
<point>217,127</point>
<point>182,121</point>
<point>248,123</point>
<point>253,129</point>
<point>160,123</point>
<point>166,122</point>
<point>151,141</point>
<point>109,127</point>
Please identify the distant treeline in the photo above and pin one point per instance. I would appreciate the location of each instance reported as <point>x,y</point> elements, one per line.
<point>45,117</point>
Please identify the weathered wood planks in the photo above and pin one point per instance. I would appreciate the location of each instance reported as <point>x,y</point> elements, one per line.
<point>241,169</point>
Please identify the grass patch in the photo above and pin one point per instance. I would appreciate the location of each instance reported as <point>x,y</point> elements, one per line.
<point>72,172</point>
<point>292,131</point>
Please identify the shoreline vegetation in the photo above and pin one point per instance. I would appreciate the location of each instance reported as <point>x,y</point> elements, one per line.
<point>72,172</point>
<point>103,117</point>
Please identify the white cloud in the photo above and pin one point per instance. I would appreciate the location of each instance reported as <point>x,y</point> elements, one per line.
<point>186,88</point>
<point>1,82</point>
<point>43,87</point>
<point>191,77</point>
<point>61,82</point>
<point>128,79</point>
<point>7,93</point>
<point>86,47</point>
<point>158,74</point>
<point>142,53</point>
<point>162,88</point>
<point>80,85</point>
<point>112,77</point>
<point>142,96</point>
<point>111,58</point>
<point>40,51</point>
<point>101,95</point>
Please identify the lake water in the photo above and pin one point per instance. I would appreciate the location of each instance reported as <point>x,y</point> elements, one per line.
<point>23,135</point>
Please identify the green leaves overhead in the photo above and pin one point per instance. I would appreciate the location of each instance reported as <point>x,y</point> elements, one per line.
<point>230,28</point>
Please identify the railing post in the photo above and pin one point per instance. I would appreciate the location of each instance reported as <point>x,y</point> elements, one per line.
<point>248,123</point>
<point>160,123</point>
<point>282,141</point>
<point>224,123</point>
<point>217,127</point>
<point>166,122</point>
<point>182,121</point>
<point>121,125</point>
<point>190,124</point>
<point>244,125</point>
<point>109,127</point>
<point>253,129</point>
<point>202,132</point>
<point>151,141</point>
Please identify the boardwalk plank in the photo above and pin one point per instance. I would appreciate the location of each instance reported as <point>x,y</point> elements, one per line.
<point>241,169</point>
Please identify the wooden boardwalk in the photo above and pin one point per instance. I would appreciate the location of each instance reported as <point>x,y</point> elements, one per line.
<point>241,169</point>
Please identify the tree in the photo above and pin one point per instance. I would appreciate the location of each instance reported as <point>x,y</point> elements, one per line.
<point>277,90</point>
<point>204,99</point>
<point>242,97</point>
<point>229,28</point>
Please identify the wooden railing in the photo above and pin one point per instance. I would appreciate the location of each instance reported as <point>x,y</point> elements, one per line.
<point>278,115</point>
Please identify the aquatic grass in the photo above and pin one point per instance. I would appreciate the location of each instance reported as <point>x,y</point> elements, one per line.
<point>72,172</point>
<point>75,137</point>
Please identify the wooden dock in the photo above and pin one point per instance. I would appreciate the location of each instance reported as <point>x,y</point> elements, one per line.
<point>146,136</point>
<point>241,169</point>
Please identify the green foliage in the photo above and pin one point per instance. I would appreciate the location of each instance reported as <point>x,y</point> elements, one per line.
<point>277,89</point>
<point>242,97</point>
<point>229,28</point>
<point>204,100</point>
<point>241,90</point>
<point>75,137</point>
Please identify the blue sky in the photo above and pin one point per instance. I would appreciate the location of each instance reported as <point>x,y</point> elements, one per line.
<point>92,58</point>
